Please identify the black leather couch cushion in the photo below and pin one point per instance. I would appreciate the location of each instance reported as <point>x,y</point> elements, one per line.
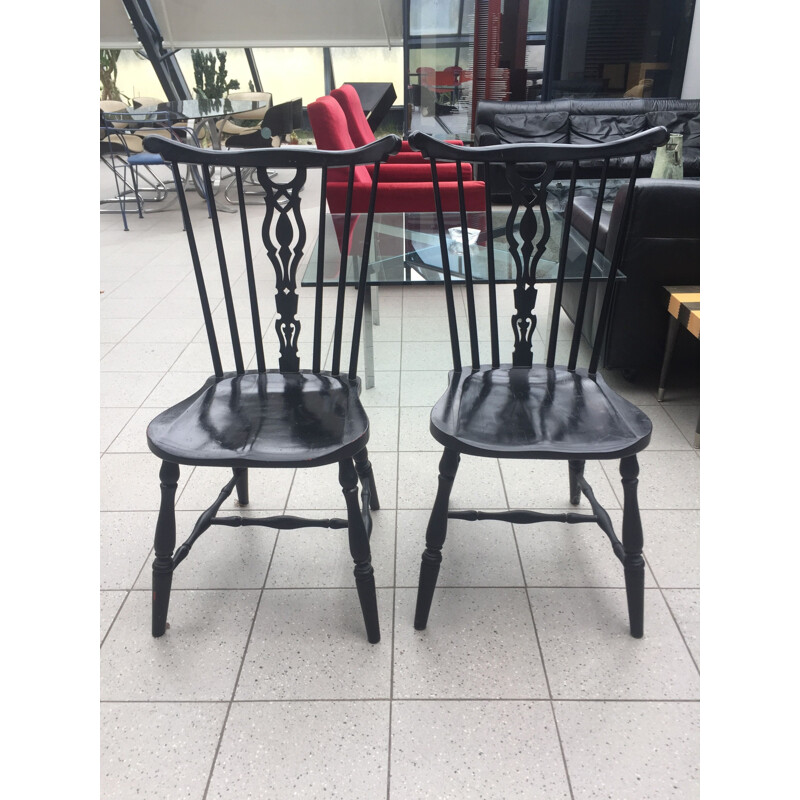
<point>687,123</point>
<point>514,128</point>
<point>592,120</point>
<point>600,128</point>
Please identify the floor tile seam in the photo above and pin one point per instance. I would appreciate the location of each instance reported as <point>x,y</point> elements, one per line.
<point>241,664</point>
<point>134,410</point>
<point>399,407</point>
<point>213,305</point>
<point>232,696</point>
<point>680,630</point>
<point>539,648</point>
<point>121,510</point>
<point>116,616</point>
<point>385,586</point>
<point>688,701</point>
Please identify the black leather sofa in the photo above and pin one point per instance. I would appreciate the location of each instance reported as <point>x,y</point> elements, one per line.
<point>575,121</point>
<point>663,248</point>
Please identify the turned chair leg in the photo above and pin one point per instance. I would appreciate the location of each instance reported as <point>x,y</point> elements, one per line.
<point>359,549</point>
<point>575,471</point>
<point>434,538</point>
<point>632,543</point>
<point>242,486</point>
<point>364,470</point>
<point>164,546</point>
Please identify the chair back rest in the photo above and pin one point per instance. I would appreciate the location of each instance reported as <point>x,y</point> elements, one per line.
<point>112,106</point>
<point>115,140</point>
<point>229,256</point>
<point>329,125</point>
<point>360,132</point>
<point>168,124</point>
<point>256,114</point>
<point>280,119</point>
<point>521,235</point>
<point>145,102</point>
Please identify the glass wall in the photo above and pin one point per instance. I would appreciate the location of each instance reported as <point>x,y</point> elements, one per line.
<point>236,67</point>
<point>369,64</point>
<point>462,51</point>
<point>136,78</point>
<point>615,48</point>
<point>290,72</point>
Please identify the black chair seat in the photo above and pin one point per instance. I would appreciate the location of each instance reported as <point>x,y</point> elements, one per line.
<point>536,412</point>
<point>272,419</point>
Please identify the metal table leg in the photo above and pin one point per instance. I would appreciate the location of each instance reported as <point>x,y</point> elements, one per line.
<point>672,335</point>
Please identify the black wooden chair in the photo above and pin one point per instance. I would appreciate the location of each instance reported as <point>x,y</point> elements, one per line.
<point>266,417</point>
<point>526,409</point>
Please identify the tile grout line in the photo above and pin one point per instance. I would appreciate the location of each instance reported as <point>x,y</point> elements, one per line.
<point>538,641</point>
<point>493,699</point>
<point>394,576</point>
<point>246,647</point>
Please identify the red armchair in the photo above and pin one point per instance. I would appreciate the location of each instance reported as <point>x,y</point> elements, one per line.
<point>361,133</point>
<point>394,193</point>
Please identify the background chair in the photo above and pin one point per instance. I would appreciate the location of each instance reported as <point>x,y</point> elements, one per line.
<point>266,417</point>
<point>549,409</point>
<point>144,102</point>
<point>361,132</point>
<point>229,125</point>
<point>277,123</point>
<point>401,187</point>
<point>111,107</point>
<point>116,147</point>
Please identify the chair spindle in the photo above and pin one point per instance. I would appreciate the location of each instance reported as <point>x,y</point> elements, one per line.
<point>223,271</point>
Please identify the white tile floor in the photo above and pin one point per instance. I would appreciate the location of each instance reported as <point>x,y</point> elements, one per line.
<point>526,683</point>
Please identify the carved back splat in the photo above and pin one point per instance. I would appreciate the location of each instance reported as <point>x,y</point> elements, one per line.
<point>529,193</point>
<point>284,237</point>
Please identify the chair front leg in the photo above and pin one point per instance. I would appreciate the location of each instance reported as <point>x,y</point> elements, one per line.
<point>164,546</point>
<point>434,538</point>
<point>364,470</point>
<point>359,550</point>
<point>632,543</point>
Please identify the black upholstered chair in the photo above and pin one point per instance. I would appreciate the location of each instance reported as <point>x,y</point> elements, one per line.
<point>532,406</point>
<point>279,121</point>
<point>260,416</point>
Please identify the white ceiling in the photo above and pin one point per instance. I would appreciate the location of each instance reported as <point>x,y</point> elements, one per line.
<point>261,23</point>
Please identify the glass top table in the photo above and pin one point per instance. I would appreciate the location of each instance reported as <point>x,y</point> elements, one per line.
<point>201,112</point>
<point>405,251</point>
<point>187,109</point>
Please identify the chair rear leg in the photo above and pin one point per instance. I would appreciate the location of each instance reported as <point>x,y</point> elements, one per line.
<point>364,470</point>
<point>359,549</point>
<point>434,538</point>
<point>632,542</point>
<point>164,546</point>
<point>575,471</point>
<point>242,487</point>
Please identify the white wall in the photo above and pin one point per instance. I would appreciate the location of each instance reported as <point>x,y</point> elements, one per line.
<point>691,78</point>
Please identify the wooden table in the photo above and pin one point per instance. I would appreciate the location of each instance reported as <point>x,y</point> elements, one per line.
<point>683,305</point>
